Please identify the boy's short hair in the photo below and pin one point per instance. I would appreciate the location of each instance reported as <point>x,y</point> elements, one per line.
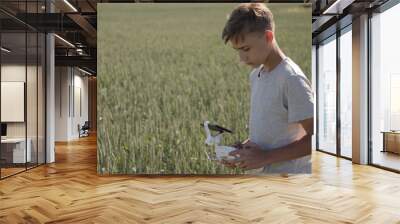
<point>248,18</point>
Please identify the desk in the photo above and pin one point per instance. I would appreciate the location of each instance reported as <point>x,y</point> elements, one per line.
<point>16,148</point>
<point>391,141</point>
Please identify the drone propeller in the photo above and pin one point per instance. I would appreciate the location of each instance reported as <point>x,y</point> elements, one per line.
<point>218,128</point>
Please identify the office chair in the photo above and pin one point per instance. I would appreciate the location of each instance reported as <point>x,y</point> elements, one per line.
<point>84,130</point>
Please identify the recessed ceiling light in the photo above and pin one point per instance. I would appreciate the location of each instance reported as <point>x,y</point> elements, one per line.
<point>5,50</point>
<point>84,71</point>
<point>71,6</point>
<point>64,40</point>
<point>337,7</point>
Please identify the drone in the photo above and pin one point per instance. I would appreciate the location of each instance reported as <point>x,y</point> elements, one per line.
<point>221,152</point>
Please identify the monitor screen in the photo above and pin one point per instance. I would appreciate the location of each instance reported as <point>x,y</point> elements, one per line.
<point>3,129</point>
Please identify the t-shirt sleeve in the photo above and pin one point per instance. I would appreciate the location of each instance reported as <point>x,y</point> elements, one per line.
<point>299,98</point>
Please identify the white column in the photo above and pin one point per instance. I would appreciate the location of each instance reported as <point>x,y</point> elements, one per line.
<point>50,98</point>
<point>360,90</point>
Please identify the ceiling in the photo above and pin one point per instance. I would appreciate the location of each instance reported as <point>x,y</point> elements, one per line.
<point>76,22</point>
<point>329,15</point>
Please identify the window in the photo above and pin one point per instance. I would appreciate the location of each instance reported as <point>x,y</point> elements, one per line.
<point>346,75</point>
<point>23,87</point>
<point>385,88</point>
<point>327,95</point>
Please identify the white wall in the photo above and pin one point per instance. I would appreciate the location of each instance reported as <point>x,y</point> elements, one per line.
<point>12,100</point>
<point>62,81</point>
<point>70,83</point>
<point>17,73</point>
<point>81,82</point>
<point>33,126</point>
<point>13,73</point>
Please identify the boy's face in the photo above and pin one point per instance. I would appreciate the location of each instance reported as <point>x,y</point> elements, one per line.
<point>254,48</point>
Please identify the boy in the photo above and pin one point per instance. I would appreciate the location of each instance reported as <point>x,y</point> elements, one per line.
<point>281,113</point>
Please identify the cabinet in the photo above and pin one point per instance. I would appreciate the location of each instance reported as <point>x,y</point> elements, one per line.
<point>391,141</point>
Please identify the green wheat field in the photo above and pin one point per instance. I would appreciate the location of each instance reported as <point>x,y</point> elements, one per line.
<point>163,69</point>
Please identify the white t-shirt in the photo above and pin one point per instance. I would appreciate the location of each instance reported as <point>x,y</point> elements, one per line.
<point>279,99</point>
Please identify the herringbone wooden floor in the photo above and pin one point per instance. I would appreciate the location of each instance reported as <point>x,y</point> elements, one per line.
<point>70,191</point>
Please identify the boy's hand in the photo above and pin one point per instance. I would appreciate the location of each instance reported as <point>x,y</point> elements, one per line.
<point>251,156</point>
<point>239,145</point>
<point>227,163</point>
<point>231,163</point>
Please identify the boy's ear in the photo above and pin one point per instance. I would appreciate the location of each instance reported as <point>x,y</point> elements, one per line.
<point>269,36</point>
